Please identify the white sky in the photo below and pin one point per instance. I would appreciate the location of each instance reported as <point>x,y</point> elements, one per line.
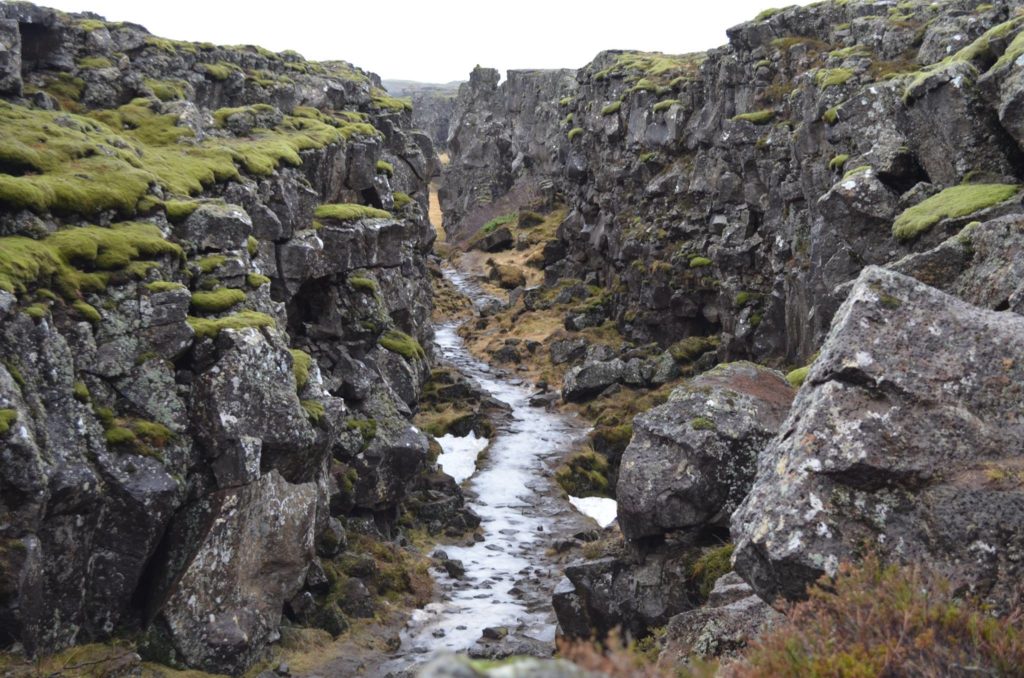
<point>441,40</point>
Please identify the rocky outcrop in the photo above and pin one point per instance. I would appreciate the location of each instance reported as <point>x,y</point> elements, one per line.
<point>503,145</point>
<point>211,338</point>
<point>904,439</point>
<point>691,461</point>
<point>729,193</point>
<point>732,618</point>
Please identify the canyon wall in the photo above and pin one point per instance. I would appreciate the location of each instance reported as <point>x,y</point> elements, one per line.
<point>213,306</point>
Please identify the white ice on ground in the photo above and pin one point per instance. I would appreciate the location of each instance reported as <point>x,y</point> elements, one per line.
<point>601,509</point>
<point>459,456</point>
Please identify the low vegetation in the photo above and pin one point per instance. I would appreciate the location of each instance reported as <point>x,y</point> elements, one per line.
<point>956,201</point>
<point>350,212</point>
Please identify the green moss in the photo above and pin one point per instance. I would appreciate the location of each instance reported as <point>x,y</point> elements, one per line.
<point>67,88</point>
<point>151,431</point>
<point>700,262</point>
<point>217,301</point>
<point>220,71</point>
<point>492,225</point>
<point>401,200</point>
<point>81,392</point>
<point>762,117</point>
<point>853,51</point>
<point>585,474</point>
<point>797,377</point>
<point>861,169</point>
<point>7,418</point>
<point>366,285</point>
<point>381,99</point>
<point>837,163</point>
<point>611,108</point>
<point>90,25</point>
<point>957,201</point>
<point>743,298</point>
<point>711,565</point>
<point>350,212</point>
<point>831,116</point>
<point>210,263</point>
<point>163,286</point>
<point>256,280</point>
<point>252,246</point>
<point>301,362</point>
<point>385,167</point>
<point>402,344</point>
<point>689,349</point>
<point>702,424</point>
<point>574,132</point>
<point>166,90</point>
<point>119,435</point>
<point>565,101</point>
<point>314,410</point>
<point>664,105</point>
<point>209,328</point>
<point>55,261</point>
<point>37,311</point>
<point>87,311</point>
<point>569,119</point>
<point>647,157</point>
<point>766,14</point>
<point>367,428</point>
<point>94,62</point>
<point>832,77</point>
<point>179,210</point>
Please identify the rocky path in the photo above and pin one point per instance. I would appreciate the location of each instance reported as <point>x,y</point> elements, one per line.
<point>502,604</point>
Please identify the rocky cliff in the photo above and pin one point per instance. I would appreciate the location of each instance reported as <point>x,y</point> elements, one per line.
<point>213,308</point>
<point>718,207</point>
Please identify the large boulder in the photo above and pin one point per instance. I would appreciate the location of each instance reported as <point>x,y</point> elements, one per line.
<point>215,226</point>
<point>732,618</point>
<point>906,438</point>
<point>250,549</point>
<point>692,460</point>
<point>983,264</point>
<point>614,592</point>
<point>586,381</point>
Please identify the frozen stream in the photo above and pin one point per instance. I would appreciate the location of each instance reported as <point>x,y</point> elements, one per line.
<point>511,573</point>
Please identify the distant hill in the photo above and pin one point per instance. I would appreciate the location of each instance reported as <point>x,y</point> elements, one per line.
<point>404,88</point>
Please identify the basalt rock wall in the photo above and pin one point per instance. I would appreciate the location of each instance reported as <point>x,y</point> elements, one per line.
<point>213,307</point>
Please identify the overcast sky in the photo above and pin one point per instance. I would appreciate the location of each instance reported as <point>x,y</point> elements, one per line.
<point>439,41</point>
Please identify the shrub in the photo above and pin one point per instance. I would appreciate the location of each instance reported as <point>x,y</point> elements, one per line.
<point>885,620</point>
<point>957,201</point>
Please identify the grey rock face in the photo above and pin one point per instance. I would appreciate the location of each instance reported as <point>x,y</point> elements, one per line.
<point>588,380</point>
<point>252,547</point>
<point>731,620</point>
<point>692,460</point>
<point>10,57</point>
<point>902,440</point>
<point>597,596</point>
